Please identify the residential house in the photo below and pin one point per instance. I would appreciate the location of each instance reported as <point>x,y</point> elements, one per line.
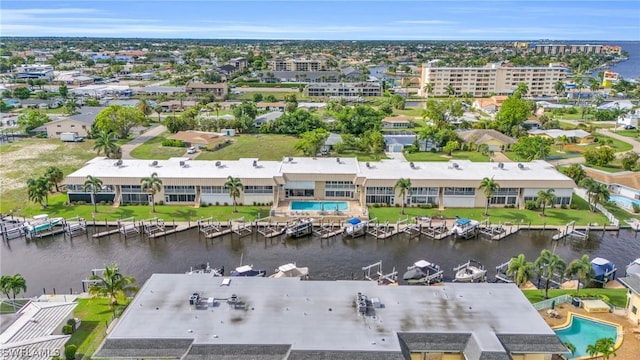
<point>495,140</point>
<point>489,105</point>
<point>397,141</point>
<point>239,63</point>
<point>624,183</point>
<point>159,90</point>
<point>331,141</point>
<point>42,103</point>
<point>632,282</point>
<point>177,105</point>
<point>270,106</point>
<point>575,136</point>
<point>79,123</point>
<point>397,122</point>
<point>219,90</point>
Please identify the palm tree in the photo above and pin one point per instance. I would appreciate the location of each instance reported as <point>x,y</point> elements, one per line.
<point>520,269</point>
<point>405,189</point>
<point>546,198</point>
<point>106,143</point>
<point>562,140</point>
<point>95,185</point>
<point>570,347</point>
<point>158,109</point>
<point>38,189</point>
<point>112,284</point>
<point>217,107</point>
<point>582,268</point>
<point>579,86</point>
<point>592,350</point>
<point>606,347</point>
<point>17,284</point>
<point>235,188</point>
<point>5,285</point>
<point>558,87</point>
<point>490,186</point>
<point>451,91</point>
<point>54,175</point>
<point>144,106</point>
<point>152,185</point>
<point>600,194</point>
<point>70,106</point>
<point>428,90</point>
<point>590,185</point>
<point>548,264</point>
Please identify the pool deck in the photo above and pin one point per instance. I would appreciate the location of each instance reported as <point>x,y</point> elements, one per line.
<point>283,210</point>
<point>630,341</point>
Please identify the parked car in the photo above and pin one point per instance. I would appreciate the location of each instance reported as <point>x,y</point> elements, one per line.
<point>629,127</point>
<point>191,150</point>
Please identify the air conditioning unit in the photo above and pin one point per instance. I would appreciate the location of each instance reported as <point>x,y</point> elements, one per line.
<point>412,165</point>
<point>218,163</point>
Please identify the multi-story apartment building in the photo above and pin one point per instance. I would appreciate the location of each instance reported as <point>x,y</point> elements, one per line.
<point>491,79</point>
<point>319,64</point>
<point>561,49</point>
<point>35,72</point>
<point>218,90</point>
<point>343,89</point>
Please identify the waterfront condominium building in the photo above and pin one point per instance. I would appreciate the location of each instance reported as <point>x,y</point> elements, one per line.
<point>346,90</point>
<point>359,184</point>
<point>491,79</point>
<point>44,72</point>
<point>562,49</point>
<point>317,64</point>
<point>180,316</point>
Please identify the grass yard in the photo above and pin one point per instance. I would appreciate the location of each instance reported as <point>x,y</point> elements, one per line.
<point>613,167</point>
<point>456,155</point>
<point>57,208</point>
<point>617,297</point>
<point>555,216</point>
<point>153,149</point>
<point>629,133</point>
<point>261,146</point>
<point>95,315</point>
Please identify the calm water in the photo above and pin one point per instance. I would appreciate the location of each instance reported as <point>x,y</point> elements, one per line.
<point>63,263</point>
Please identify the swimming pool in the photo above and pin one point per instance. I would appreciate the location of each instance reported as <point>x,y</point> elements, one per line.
<point>583,331</point>
<point>319,205</point>
<point>623,201</point>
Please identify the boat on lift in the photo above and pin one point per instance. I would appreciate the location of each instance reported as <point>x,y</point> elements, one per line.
<point>40,223</point>
<point>300,228</point>
<point>470,271</point>
<point>247,271</point>
<point>291,270</point>
<point>206,269</point>
<point>464,227</point>
<point>423,272</point>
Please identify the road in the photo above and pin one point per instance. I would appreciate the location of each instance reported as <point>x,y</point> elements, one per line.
<point>141,139</point>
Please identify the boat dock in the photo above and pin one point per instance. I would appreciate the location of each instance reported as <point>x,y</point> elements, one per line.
<point>374,272</point>
<point>74,226</point>
<point>570,231</point>
<point>501,273</point>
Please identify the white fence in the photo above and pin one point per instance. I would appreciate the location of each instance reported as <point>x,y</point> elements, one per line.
<point>583,194</point>
<point>546,304</point>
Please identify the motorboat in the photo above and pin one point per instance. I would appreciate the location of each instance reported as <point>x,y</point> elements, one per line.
<point>247,270</point>
<point>206,269</point>
<point>423,272</point>
<point>290,270</point>
<point>40,223</point>
<point>300,228</point>
<point>463,226</point>
<point>633,267</point>
<point>470,271</point>
<point>355,227</point>
<point>603,270</point>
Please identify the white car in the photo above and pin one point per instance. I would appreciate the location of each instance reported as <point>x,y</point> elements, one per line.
<point>191,150</point>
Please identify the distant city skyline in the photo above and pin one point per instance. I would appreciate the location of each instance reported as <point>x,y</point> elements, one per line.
<point>325,20</point>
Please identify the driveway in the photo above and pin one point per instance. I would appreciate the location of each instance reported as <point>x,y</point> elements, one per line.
<point>141,139</point>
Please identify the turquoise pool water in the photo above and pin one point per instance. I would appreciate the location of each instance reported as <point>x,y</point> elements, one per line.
<point>623,201</point>
<point>319,205</point>
<point>583,332</point>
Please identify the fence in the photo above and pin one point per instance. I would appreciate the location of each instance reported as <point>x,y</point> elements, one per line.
<point>545,304</point>
<point>612,219</point>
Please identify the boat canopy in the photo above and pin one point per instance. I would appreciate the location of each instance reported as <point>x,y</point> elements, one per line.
<point>463,221</point>
<point>40,217</point>
<point>287,267</point>
<point>354,221</point>
<point>244,268</point>
<point>422,263</point>
<point>602,267</point>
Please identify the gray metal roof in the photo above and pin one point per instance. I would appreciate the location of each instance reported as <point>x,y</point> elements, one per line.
<point>345,355</point>
<point>87,114</point>
<point>632,282</point>
<point>316,318</point>
<point>333,139</point>
<point>237,352</point>
<point>518,343</point>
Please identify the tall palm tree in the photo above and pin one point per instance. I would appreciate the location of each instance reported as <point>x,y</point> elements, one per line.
<point>428,90</point>
<point>546,198</point>
<point>235,189</point>
<point>17,284</point>
<point>579,86</point>
<point>590,185</point>
<point>152,185</point>
<point>520,269</point>
<point>592,350</point>
<point>606,347</point>
<point>451,91</point>
<point>404,185</point>
<point>112,284</point>
<point>582,268</point>
<point>559,88</point>
<point>37,190</point>
<point>106,143</point>
<point>143,105</point>
<point>217,107</point>
<point>158,109</point>
<point>600,194</point>
<point>5,285</point>
<point>95,185</point>
<point>490,187</point>
<point>548,264</point>
<point>54,175</point>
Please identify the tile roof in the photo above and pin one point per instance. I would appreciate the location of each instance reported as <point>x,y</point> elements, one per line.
<point>152,347</point>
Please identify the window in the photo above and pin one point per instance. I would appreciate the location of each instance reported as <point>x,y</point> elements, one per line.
<point>459,191</point>
<point>258,189</point>
<point>179,189</point>
<point>182,198</point>
<point>213,190</point>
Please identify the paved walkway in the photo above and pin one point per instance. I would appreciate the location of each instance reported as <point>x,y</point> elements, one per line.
<point>141,139</point>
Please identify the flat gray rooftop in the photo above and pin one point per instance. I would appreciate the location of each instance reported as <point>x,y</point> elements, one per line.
<point>322,315</point>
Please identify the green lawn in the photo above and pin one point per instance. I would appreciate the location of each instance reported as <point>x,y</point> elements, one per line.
<point>613,167</point>
<point>555,216</point>
<point>153,149</point>
<point>629,133</point>
<point>617,297</point>
<point>261,146</point>
<point>410,111</point>
<point>94,315</point>
<point>620,214</point>
<point>456,155</point>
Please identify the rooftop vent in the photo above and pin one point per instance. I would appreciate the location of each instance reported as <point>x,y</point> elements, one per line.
<point>368,165</point>
<point>338,160</point>
<point>455,166</point>
<point>183,164</point>
<point>361,303</point>
<point>218,163</point>
<point>194,299</point>
<point>412,165</point>
<point>118,163</point>
<point>500,165</point>
<point>520,166</point>
<point>154,163</point>
<point>255,163</point>
<point>290,159</point>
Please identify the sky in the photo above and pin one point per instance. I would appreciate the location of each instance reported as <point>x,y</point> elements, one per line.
<point>325,20</point>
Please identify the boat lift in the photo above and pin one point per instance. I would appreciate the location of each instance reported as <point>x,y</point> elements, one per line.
<point>75,225</point>
<point>211,228</point>
<point>570,231</point>
<point>241,227</point>
<point>128,226</point>
<point>378,276</point>
<point>501,273</point>
<point>268,229</point>
<point>152,227</point>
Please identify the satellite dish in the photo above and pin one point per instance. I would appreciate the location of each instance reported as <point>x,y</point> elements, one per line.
<point>290,159</point>
<point>218,163</point>
<point>154,163</point>
<point>412,165</point>
<point>182,163</point>
<point>118,163</point>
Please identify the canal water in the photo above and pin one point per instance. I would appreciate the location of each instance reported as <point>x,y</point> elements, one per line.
<point>61,263</point>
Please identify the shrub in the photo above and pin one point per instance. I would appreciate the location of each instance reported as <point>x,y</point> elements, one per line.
<point>203,205</point>
<point>67,329</point>
<point>71,322</point>
<point>70,351</point>
<point>531,205</point>
<point>161,202</point>
<point>102,202</point>
<point>636,208</point>
<point>217,203</point>
<point>426,206</point>
<point>573,206</point>
<point>376,205</point>
<point>172,143</point>
<point>255,203</point>
<point>563,206</point>
<point>226,203</point>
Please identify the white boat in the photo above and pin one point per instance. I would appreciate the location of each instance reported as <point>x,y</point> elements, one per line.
<point>463,226</point>
<point>423,272</point>
<point>634,223</point>
<point>40,223</point>
<point>355,227</point>
<point>470,271</point>
<point>633,267</point>
<point>300,228</point>
<point>290,270</point>
<point>206,269</point>
<point>247,270</point>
